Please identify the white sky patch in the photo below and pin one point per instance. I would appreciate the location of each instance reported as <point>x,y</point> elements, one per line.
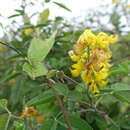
<point>78,8</point>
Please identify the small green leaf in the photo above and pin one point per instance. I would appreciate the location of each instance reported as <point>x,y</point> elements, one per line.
<point>62,6</point>
<point>39,49</point>
<point>3,103</point>
<point>123,96</point>
<point>51,73</point>
<point>15,15</point>
<point>45,97</point>
<point>116,87</point>
<point>47,1</point>
<point>35,70</point>
<point>20,11</point>
<point>44,16</point>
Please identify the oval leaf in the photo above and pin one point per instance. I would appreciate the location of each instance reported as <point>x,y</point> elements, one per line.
<point>39,49</point>
<point>35,70</point>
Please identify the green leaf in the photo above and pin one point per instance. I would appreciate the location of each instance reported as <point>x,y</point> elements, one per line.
<point>118,70</point>
<point>10,76</point>
<point>61,88</point>
<point>16,91</point>
<point>78,96</point>
<point>122,68</point>
<point>51,73</point>
<point>47,1</point>
<point>3,103</point>
<point>113,127</point>
<point>116,87</point>
<point>99,121</point>
<point>20,11</point>
<point>49,125</point>
<point>49,109</point>
<point>15,15</point>
<point>35,70</point>
<point>120,87</point>
<point>123,96</point>
<point>124,120</point>
<point>43,17</point>
<point>3,121</point>
<point>45,97</point>
<point>126,64</point>
<point>39,49</point>
<point>77,123</point>
<point>62,6</point>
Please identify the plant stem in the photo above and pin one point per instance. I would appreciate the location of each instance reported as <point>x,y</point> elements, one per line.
<point>7,123</point>
<point>61,105</point>
<point>7,45</point>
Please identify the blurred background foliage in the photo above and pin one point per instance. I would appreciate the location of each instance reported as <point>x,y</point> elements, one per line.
<point>112,110</point>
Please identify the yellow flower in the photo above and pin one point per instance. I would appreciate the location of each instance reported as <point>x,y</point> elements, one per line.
<point>92,56</point>
<point>94,89</point>
<point>73,56</point>
<point>87,38</point>
<point>77,68</point>
<point>113,39</point>
<point>27,31</point>
<point>86,77</point>
<point>102,83</point>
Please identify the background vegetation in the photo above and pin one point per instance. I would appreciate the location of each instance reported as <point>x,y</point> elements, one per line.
<point>40,88</point>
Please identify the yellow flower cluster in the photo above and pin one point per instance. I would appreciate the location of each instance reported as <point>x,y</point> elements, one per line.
<point>92,56</point>
<point>31,112</point>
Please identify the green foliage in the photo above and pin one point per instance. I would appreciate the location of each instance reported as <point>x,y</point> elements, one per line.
<point>3,103</point>
<point>36,72</point>
<point>49,125</point>
<point>44,16</point>
<point>37,52</point>
<point>19,125</point>
<point>3,121</point>
<point>41,99</point>
<point>62,6</point>
<point>39,49</point>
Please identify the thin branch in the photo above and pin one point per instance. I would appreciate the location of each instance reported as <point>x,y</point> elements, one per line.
<point>7,45</point>
<point>61,105</point>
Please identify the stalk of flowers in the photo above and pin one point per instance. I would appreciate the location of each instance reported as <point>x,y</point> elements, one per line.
<point>92,55</point>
